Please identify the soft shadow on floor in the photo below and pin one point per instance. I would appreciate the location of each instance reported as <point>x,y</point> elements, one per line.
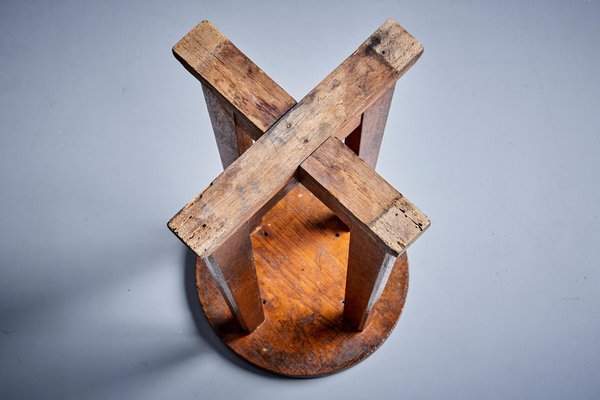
<point>203,327</point>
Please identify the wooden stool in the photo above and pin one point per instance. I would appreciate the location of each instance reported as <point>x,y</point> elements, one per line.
<point>280,279</point>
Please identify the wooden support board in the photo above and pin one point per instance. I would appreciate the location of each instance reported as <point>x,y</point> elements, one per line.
<point>302,287</point>
<point>382,221</point>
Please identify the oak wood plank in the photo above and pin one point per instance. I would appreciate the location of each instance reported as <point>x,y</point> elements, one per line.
<point>266,167</point>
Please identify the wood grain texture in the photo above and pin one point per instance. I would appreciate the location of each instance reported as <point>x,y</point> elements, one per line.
<point>266,167</point>
<point>232,269</point>
<point>208,55</point>
<point>301,263</point>
<point>369,267</point>
<point>366,140</point>
<point>382,222</point>
<point>360,197</point>
<point>224,127</point>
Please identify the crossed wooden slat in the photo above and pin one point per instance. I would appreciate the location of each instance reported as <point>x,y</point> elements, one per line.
<point>298,142</point>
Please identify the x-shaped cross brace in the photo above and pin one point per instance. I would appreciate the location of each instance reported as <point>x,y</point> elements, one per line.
<point>298,142</point>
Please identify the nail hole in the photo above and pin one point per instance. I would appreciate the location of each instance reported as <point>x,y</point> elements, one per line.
<point>266,233</point>
<point>337,234</point>
<point>204,225</point>
<point>396,214</point>
<point>383,52</point>
<point>305,140</point>
<point>343,302</point>
<point>264,302</point>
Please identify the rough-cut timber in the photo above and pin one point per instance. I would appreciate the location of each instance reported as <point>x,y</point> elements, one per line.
<point>224,127</point>
<point>218,64</point>
<point>315,293</point>
<point>301,260</point>
<point>348,186</point>
<point>365,141</point>
<point>232,268</point>
<point>382,222</point>
<point>266,167</point>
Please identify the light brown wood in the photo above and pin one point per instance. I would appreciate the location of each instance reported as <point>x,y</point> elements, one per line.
<point>265,169</point>
<point>360,197</point>
<point>208,55</point>
<point>224,127</point>
<point>224,115</point>
<point>365,141</point>
<point>302,338</point>
<point>301,263</point>
<point>232,269</point>
<point>369,267</point>
<point>382,222</point>
<point>234,135</point>
<point>232,264</point>
<point>244,134</point>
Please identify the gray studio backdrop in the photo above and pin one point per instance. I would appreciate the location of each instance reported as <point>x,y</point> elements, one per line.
<point>494,133</point>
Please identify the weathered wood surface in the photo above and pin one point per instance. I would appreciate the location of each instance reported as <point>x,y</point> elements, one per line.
<point>208,55</point>
<point>266,167</point>
<point>224,127</point>
<point>348,186</point>
<point>232,264</point>
<point>365,141</point>
<point>382,222</point>
<point>193,52</point>
<point>232,269</point>
<point>305,333</point>
<point>301,267</point>
<point>369,267</point>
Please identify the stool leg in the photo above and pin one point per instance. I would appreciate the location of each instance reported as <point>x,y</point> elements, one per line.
<point>232,138</point>
<point>365,141</point>
<point>232,265</point>
<point>369,267</point>
<point>232,268</point>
